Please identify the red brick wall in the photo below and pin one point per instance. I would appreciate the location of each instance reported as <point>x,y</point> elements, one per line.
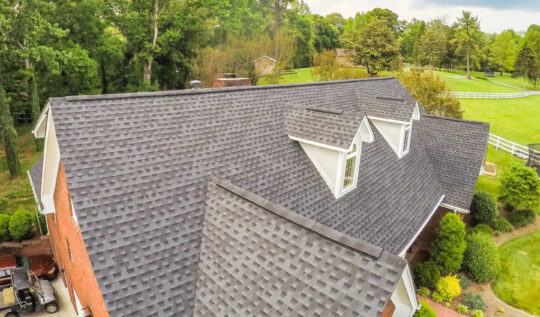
<point>389,309</point>
<point>78,272</point>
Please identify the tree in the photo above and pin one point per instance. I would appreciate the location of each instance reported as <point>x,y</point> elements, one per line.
<point>337,21</point>
<point>35,109</point>
<point>431,93</point>
<point>432,44</point>
<point>375,47</point>
<point>408,42</point>
<point>468,36</point>
<point>447,249</point>
<point>481,260</point>
<point>519,186</point>
<point>527,65</point>
<point>504,49</point>
<point>483,208</point>
<point>361,20</point>
<point>9,135</point>
<point>326,35</point>
<point>303,41</point>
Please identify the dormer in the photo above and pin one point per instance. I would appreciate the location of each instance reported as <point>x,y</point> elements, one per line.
<point>332,140</point>
<point>393,118</point>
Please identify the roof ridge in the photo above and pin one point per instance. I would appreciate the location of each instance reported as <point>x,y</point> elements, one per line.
<point>324,231</point>
<point>163,93</point>
<point>454,119</point>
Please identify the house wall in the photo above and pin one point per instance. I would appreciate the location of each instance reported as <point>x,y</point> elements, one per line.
<point>78,273</point>
<point>264,66</point>
<point>391,131</point>
<point>325,160</point>
<point>50,166</point>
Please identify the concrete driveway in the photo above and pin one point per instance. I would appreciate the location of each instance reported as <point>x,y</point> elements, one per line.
<point>66,308</point>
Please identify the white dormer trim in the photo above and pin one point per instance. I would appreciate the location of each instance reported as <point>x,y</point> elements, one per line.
<point>51,161</point>
<point>326,146</point>
<point>416,112</point>
<point>406,133</point>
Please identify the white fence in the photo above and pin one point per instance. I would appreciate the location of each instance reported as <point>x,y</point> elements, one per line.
<point>514,148</point>
<point>493,95</point>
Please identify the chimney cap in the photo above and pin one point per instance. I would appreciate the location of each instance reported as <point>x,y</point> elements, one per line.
<point>195,84</point>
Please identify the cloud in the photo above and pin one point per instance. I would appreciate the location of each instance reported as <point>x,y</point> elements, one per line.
<point>491,19</point>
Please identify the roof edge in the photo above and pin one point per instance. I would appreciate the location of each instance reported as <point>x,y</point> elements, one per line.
<point>454,119</point>
<point>347,241</point>
<point>207,90</point>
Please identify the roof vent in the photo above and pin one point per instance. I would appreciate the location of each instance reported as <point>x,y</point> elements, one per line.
<point>323,110</point>
<point>388,98</point>
<point>195,84</point>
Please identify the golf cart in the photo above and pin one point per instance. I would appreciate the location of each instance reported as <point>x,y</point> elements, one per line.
<point>27,294</point>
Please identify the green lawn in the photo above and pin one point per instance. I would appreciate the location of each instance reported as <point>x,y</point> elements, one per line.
<point>456,82</point>
<point>299,75</point>
<point>502,160</point>
<point>16,192</point>
<point>514,119</point>
<point>518,82</point>
<point>519,279</point>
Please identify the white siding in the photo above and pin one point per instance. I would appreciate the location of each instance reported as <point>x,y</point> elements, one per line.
<point>391,131</point>
<point>51,162</point>
<point>326,162</point>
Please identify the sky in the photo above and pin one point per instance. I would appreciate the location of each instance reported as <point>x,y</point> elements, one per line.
<point>495,15</point>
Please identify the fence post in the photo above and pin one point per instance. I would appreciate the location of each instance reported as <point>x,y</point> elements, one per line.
<point>498,140</point>
<point>513,148</point>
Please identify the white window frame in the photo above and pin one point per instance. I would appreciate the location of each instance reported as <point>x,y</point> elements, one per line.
<point>407,129</point>
<point>350,155</point>
<point>340,188</point>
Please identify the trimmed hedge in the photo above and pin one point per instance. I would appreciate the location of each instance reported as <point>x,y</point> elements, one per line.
<point>447,249</point>
<point>425,310</point>
<point>473,301</point>
<point>427,275</point>
<point>4,228</point>
<point>481,260</point>
<point>502,225</point>
<point>482,228</point>
<point>521,218</point>
<point>483,207</point>
<point>20,225</point>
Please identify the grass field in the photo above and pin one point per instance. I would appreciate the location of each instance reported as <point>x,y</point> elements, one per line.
<point>518,82</point>
<point>16,192</point>
<point>502,160</point>
<point>456,82</point>
<point>514,119</point>
<point>299,75</point>
<point>519,279</point>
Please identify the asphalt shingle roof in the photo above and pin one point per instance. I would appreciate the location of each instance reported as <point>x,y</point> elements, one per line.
<point>137,167</point>
<point>253,252</point>
<point>400,109</point>
<point>457,150</point>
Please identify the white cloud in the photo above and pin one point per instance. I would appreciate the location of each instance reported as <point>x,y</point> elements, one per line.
<point>491,20</point>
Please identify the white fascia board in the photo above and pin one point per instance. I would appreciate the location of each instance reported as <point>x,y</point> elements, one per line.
<point>387,120</point>
<point>330,147</point>
<point>454,208</point>
<point>371,136</point>
<point>34,191</point>
<point>404,251</point>
<point>340,175</point>
<point>416,112</point>
<point>410,288</point>
<point>37,131</point>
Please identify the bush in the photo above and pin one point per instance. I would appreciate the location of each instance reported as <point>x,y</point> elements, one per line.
<point>462,309</point>
<point>482,228</point>
<point>473,301</point>
<point>521,218</point>
<point>520,186</point>
<point>42,222</point>
<point>509,207</point>
<point>427,274</point>
<point>448,288</point>
<point>423,291</point>
<point>447,249</point>
<point>502,225</point>
<point>4,228</point>
<point>483,207</point>
<point>477,313</point>
<point>437,298</point>
<point>20,225</point>
<point>425,310</point>
<point>464,282</point>
<point>481,260</point>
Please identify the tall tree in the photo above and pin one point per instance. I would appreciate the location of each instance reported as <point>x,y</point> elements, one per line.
<point>375,46</point>
<point>410,37</point>
<point>35,108</point>
<point>326,35</point>
<point>468,36</point>
<point>504,49</point>
<point>9,135</point>
<point>432,44</point>
<point>527,64</point>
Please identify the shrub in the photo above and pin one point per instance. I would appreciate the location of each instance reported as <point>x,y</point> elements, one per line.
<point>481,260</point>
<point>483,207</point>
<point>521,218</point>
<point>42,222</point>
<point>20,225</point>
<point>437,298</point>
<point>425,310</point>
<point>423,291</point>
<point>520,186</point>
<point>4,228</point>
<point>477,313</point>
<point>462,309</point>
<point>482,228</point>
<point>509,207</point>
<point>427,274</point>
<point>448,288</point>
<point>473,301</point>
<point>447,249</point>
<point>502,225</point>
<point>464,282</point>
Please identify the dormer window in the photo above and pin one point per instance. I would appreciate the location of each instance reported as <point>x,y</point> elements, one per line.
<point>350,167</point>
<point>406,139</point>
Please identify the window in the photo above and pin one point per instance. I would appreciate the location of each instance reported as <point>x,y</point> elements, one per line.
<point>406,140</point>
<point>350,165</point>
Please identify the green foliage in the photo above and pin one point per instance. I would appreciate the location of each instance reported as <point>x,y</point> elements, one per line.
<point>504,50</point>
<point>448,288</point>
<point>423,291</point>
<point>483,207</point>
<point>4,228</point>
<point>509,207</point>
<point>20,225</point>
<point>468,38</point>
<point>42,222</point>
<point>327,68</point>
<point>473,301</point>
<point>427,274</point>
<point>425,310</point>
<point>481,260</point>
<point>9,135</point>
<point>430,91</point>
<point>432,44</point>
<point>522,217</point>
<point>462,309</point>
<point>502,225</point>
<point>464,282</point>
<point>447,249</point>
<point>477,313</point>
<point>326,34</point>
<point>520,186</point>
<point>482,228</point>
<point>437,298</point>
<point>375,46</point>
<point>527,64</point>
